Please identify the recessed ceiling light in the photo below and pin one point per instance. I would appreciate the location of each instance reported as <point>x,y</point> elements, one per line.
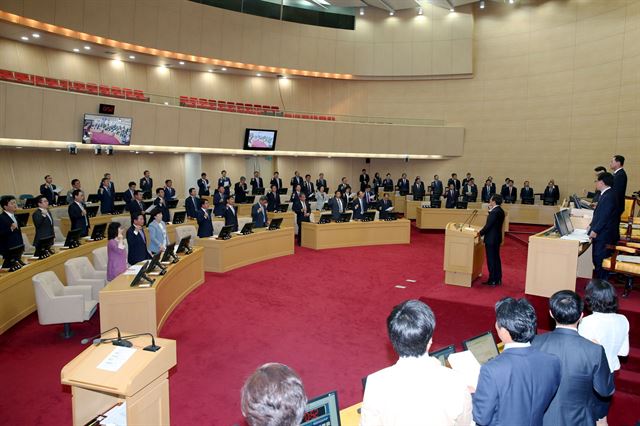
<point>87,48</point>
<point>391,13</point>
<point>76,50</point>
<point>452,10</point>
<point>18,147</point>
<point>482,4</point>
<point>131,57</point>
<point>420,12</point>
<point>181,62</point>
<point>209,70</point>
<point>223,69</point>
<point>151,152</point>
<point>58,150</point>
<point>361,11</point>
<point>35,35</point>
<point>259,75</point>
<point>25,38</point>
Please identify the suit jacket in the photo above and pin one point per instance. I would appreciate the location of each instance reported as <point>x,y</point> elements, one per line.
<point>526,193</point>
<point>307,188</point>
<point>136,209</point>
<point>452,199</point>
<point>552,193</point>
<point>294,196</point>
<point>487,193</point>
<point>296,180</point>
<point>364,178</point>
<point>169,193</point>
<point>259,215</point>
<point>335,208</point>
<point>358,211</point>
<point>276,182</point>
<point>156,237</point>
<point>43,225</point>
<point>403,185</point>
<point>418,189</point>
<point>273,201</point>
<point>436,188</point>
<point>107,199</point>
<point>515,388</point>
<point>455,182</point>
<point>606,218</point>
<point>78,221</point>
<point>470,189</point>
<point>227,188</point>
<point>231,217</point>
<point>387,183</point>
<point>620,187</point>
<point>203,187</point>
<point>219,203</point>
<point>127,196</point>
<point>191,205</point>
<point>50,194</point>
<point>509,194</point>
<point>256,183</point>
<point>297,208</point>
<point>341,187</point>
<point>162,205</point>
<point>585,370</point>
<point>146,185</point>
<point>321,182</point>
<point>492,229</point>
<point>240,191</point>
<point>205,226</point>
<point>383,205</point>
<point>137,251</point>
<point>9,238</point>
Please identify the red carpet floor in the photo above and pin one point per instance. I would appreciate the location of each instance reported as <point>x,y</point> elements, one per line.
<point>321,312</point>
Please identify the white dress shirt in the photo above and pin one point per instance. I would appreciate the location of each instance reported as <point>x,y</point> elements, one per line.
<point>609,330</point>
<point>416,391</point>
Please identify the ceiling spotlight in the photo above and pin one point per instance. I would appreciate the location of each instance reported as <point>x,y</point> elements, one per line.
<point>452,9</point>
<point>35,35</point>
<point>166,103</point>
<point>362,11</point>
<point>511,1</point>
<point>482,4</point>
<point>181,62</point>
<point>223,69</point>
<point>259,75</point>
<point>87,48</point>
<point>209,70</point>
<point>391,13</point>
<point>76,50</point>
<point>25,38</point>
<point>420,12</point>
<point>131,57</point>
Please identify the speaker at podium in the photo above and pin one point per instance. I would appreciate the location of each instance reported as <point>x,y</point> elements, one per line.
<point>463,254</point>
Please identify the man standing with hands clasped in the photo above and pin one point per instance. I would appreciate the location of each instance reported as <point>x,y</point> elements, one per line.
<point>492,233</point>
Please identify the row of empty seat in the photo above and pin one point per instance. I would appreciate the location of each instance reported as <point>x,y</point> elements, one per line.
<point>73,86</point>
<point>244,108</point>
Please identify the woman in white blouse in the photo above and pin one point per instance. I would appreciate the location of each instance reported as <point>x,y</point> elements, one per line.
<point>607,328</point>
<point>157,233</point>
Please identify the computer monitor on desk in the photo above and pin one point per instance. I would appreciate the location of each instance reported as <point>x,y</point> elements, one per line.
<point>22,218</point>
<point>92,211</point>
<point>172,204</point>
<point>443,354</point>
<point>275,224</point>
<point>560,224</point>
<point>257,191</point>
<point>93,198</point>
<point>322,411</point>
<point>12,260</point>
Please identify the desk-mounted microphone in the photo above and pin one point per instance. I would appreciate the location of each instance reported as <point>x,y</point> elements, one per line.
<point>118,341</point>
<point>151,348</point>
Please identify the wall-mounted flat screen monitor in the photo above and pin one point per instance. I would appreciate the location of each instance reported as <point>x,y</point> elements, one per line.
<point>260,139</point>
<point>106,130</point>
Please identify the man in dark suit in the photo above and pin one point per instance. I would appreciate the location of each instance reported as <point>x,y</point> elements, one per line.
<point>387,183</point>
<point>585,369</point>
<point>451,197</point>
<point>492,233</point>
<point>192,203</point>
<point>321,181</point>
<point>219,201</point>
<point>169,190</point>
<point>418,189</point>
<point>128,194</point>
<point>276,180</point>
<point>302,209</point>
<point>466,179</point>
<point>343,184</point>
<point>205,226</point>
<point>337,205</point>
<point>509,193</point>
<point>137,242</point>
<point>136,207</point>
<point>231,214</point>
<point>240,190</point>
<point>203,185</point>
<point>517,386</point>
<point>359,206</point>
<point>383,206</point>
<point>106,196</point>
<point>526,192</point>
<point>112,186</point>
<point>551,193</point>
<point>78,213</point>
<point>225,182</point>
<point>487,191</point>
<point>256,182</point>
<point>470,191</point>
<point>364,180</point>
<point>48,189</point>
<point>146,182</point>
<point>504,185</point>
<point>273,199</point>
<point>259,213</point>
<point>403,184</point>
<point>75,184</point>
<point>295,194</point>
<point>455,181</point>
<point>296,179</point>
<point>307,187</point>
<point>10,233</point>
<point>436,188</point>
<point>604,227</point>
<point>619,180</point>
<point>161,203</point>
<point>369,196</point>
<point>595,196</point>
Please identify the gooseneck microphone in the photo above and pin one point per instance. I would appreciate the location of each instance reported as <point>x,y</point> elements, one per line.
<point>151,348</point>
<point>118,341</point>
<point>469,219</point>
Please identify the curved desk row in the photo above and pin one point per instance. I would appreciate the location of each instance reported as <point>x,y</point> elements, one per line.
<point>355,233</point>
<point>429,218</point>
<point>145,310</point>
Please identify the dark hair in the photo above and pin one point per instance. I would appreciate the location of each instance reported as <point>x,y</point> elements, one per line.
<point>273,395</point>
<point>112,230</point>
<point>73,181</point>
<point>154,212</point>
<point>131,183</point>
<point>191,189</point>
<point>600,169</point>
<point>136,216</point>
<point>107,174</point>
<point>619,159</point>
<point>410,326</point>
<point>518,317</point>
<point>307,175</point>
<point>167,181</point>
<point>5,200</point>
<point>364,170</point>
<point>39,198</point>
<point>606,178</point>
<point>203,174</point>
<point>103,180</point>
<point>600,296</point>
<point>136,192</point>
<point>497,198</point>
<point>146,171</point>
<point>158,190</point>
<point>274,186</point>
<point>76,192</point>
<point>45,178</point>
<point>566,307</point>
<point>223,171</point>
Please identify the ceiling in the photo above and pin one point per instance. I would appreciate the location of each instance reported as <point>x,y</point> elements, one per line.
<point>398,4</point>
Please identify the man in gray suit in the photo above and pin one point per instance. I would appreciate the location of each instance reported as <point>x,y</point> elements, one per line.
<point>585,370</point>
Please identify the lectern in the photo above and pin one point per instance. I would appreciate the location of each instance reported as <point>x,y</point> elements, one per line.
<point>463,254</point>
<point>141,381</point>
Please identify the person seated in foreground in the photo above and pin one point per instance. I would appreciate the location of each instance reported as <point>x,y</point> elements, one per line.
<point>417,390</point>
<point>273,396</point>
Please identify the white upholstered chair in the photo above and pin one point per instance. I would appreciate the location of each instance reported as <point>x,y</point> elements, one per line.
<point>183,231</point>
<point>58,304</point>
<point>100,259</point>
<point>80,271</point>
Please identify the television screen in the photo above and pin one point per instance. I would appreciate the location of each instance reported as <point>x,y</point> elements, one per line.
<point>106,130</point>
<point>260,139</point>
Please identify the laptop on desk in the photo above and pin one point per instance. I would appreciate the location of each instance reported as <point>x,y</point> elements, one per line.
<point>322,411</point>
<point>483,347</point>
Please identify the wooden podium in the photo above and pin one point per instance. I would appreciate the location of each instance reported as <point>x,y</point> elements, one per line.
<point>141,382</point>
<point>463,254</point>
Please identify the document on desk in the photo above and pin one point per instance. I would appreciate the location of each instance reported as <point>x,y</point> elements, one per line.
<point>116,359</point>
<point>467,365</point>
<point>133,270</point>
<point>577,235</point>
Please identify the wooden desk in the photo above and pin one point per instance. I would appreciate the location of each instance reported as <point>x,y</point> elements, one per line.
<point>288,218</point>
<point>355,233</point>
<point>145,310</point>
<point>65,222</point>
<point>242,250</point>
<point>244,209</point>
<point>29,231</point>
<point>429,218</point>
<point>17,298</point>
<point>350,416</point>
<point>30,211</point>
<point>553,264</point>
<point>531,214</point>
<point>399,203</point>
<point>411,209</point>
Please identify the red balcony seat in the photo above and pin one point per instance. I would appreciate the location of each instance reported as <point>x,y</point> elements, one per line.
<point>139,95</point>
<point>78,86</point>
<point>40,80</point>
<point>52,83</point>
<point>23,78</point>
<point>64,84</point>
<point>92,88</point>
<point>105,90</point>
<point>117,92</point>
<point>7,75</point>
